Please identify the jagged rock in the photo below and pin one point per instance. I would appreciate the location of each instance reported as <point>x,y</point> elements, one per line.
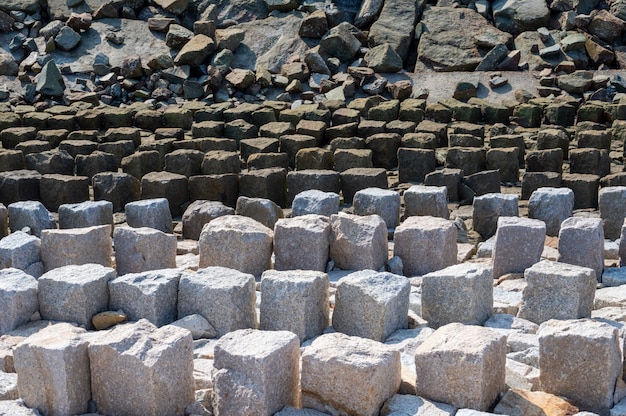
<point>314,25</point>
<point>516,16</point>
<point>50,81</point>
<point>281,5</point>
<point>173,6</point>
<point>368,12</point>
<point>8,66</point>
<point>383,58</point>
<point>340,42</point>
<point>67,39</point>
<point>396,25</point>
<point>199,48</point>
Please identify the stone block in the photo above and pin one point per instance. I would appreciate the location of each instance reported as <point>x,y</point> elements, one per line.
<point>186,162</point>
<point>352,158</point>
<point>258,161</point>
<point>115,187</point>
<point>56,190</point>
<point>314,158</point>
<point>199,213</point>
<point>31,214</point>
<point>581,243</point>
<point>481,183</point>
<point>415,164</point>
<point>519,244</point>
<point>171,186</point>
<point>96,162</point>
<point>301,242</point>
<point>547,160</point>
<point>86,214</point>
<point>382,202</point>
<point>21,251</point>
<point>469,160</point>
<point>384,148</point>
<point>425,244</point>
<point>612,204</point>
<point>531,181</point>
<point>217,162</point>
<point>51,162</point>
<point>260,389</point>
<point>76,246</point>
<point>460,293</point>
<point>224,297</point>
<point>557,291</point>
<point>488,208</point>
<point>353,180</point>
<point>258,145</point>
<point>622,246</point>
<point>585,189</point>
<point>552,206</point>
<point>19,185</point>
<point>270,183</point>
<point>450,178</point>
<point>140,370</point>
<point>420,200</point>
<point>372,305</point>
<point>223,188</point>
<point>505,161</point>
<point>509,141</point>
<point>153,213</point>
<point>53,370</point>
<point>351,375</point>
<point>315,202</point>
<point>475,355</point>
<point>75,293</point>
<point>142,249</point>
<point>305,180</point>
<point>260,209</point>
<point>18,297</point>
<point>590,162</point>
<point>150,295</point>
<point>580,360</point>
<point>141,163</point>
<point>292,143</point>
<point>295,301</point>
<point>357,242</point>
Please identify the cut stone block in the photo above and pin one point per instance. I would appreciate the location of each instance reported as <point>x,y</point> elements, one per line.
<point>173,187</point>
<point>371,305</point>
<point>301,242</point>
<point>450,178</point>
<point>460,293</point>
<point>480,183</point>
<point>622,246</point>
<point>142,249</point>
<point>262,210</point>
<point>315,202</point>
<point>19,185</point>
<point>517,402</point>
<point>21,251</point>
<point>270,183</point>
<point>304,180</point>
<point>531,181</point>
<point>585,189</point>
<point>519,244</point>
<point>552,206</point>
<point>116,187</point>
<point>224,297</point>
<point>581,243</point>
<point>612,203</point>
<point>140,370</point>
<point>31,214</point>
<point>357,242</point>
<point>382,202</point>
<point>426,201</point>
<point>199,213</point>
<point>295,301</point>
<point>353,180</point>
<point>56,190</point>
<point>415,164</point>
<point>18,297</point>
<point>350,375</point>
<point>236,242</point>
<point>488,208</point>
<point>76,246</point>
<point>475,355</point>
<point>53,370</point>
<point>86,214</point>
<point>557,291</point>
<point>75,293</point>
<point>260,389</point>
<point>425,244</point>
<point>223,188</point>
<point>580,360</point>
<point>153,213</point>
<point>150,295</point>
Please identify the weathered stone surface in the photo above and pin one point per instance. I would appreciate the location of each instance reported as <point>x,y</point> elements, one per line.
<point>348,375</point>
<point>395,25</point>
<point>301,242</point>
<point>612,204</point>
<point>199,213</point>
<point>426,200</point>
<point>74,293</point>
<point>460,293</point>
<point>260,389</point>
<point>118,188</point>
<point>197,325</point>
<point>580,360</point>
<point>552,206</point>
<point>142,249</point>
<point>425,244</point>
<point>358,243</point>
<point>158,370</point>
<point>224,297</point>
<point>76,246</point>
<point>31,214</point>
<point>53,370</point>
<point>557,291</point>
<point>382,202</point>
<point>371,305</point>
<point>86,214</point>
<point>315,202</point>
<point>476,355</point>
<point>21,251</point>
<point>383,58</point>
<point>416,406</point>
<point>17,408</point>
<point>488,208</point>
<point>18,296</point>
<point>518,402</point>
<point>518,245</point>
<point>262,210</point>
<point>154,213</point>
<point>107,319</point>
<point>340,42</point>
<point>519,16</point>
<point>581,243</point>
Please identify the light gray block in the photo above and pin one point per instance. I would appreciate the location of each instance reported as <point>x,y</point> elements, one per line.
<point>76,246</point>
<point>426,201</point>
<point>358,243</point>
<point>31,214</point>
<point>315,202</point>
<point>581,243</point>
<point>383,202</point>
<point>86,214</point>
<point>152,213</point>
<point>518,245</point>
<point>612,205</point>
<point>142,249</point>
<point>552,206</point>
<point>21,251</point>
<point>200,212</point>
<point>301,242</point>
<point>18,298</point>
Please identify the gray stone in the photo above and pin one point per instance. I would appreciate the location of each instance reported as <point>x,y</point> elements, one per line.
<point>138,369</point>
<point>395,25</point>
<point>8,387</point>
<point>21,251</point>
<point>153,213</point>
<point>488,208</point>
<point>461,293</point>
<point>614,276</point>
<point>340,43</point>
<point>557,291</point>
<point>581,243</point>
<point>368,12</point>
<point>426,200</point>
<point>580,360</point>
<point>475,355</point>
<point>383,58</point>
<point>425,244</point>
<point>86,214</point>
<point>224,297</point>
<point>18,297</point>
<point>31,214</point>
<point>349,375</point>
<point>612,204</point>
<point>622,246</point>
<point>199,213</point>
<point>315,202</point>
<point>150,295</point>
<point>236,242</point>
<point>262,210</point>
<point>301,242</point>
<point>142,249</point>
<point>67,39</point>
<point>516,16</point>
<point>49,81</point>
<point>16,408</point>
<point>76,246</point>
<point>358,243</point>
<point>383,202</point>
<point>371,305</point>
<point>552,206</point>
<point>519,244</point>
<point>260,389</point>
<point>295,301</point>
<point>197,325</point>
<point>53,370</point>
<point>407,404</point>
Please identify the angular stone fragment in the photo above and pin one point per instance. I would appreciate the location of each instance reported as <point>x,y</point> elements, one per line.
<point>358,243</point>
<point>21,251</point>
<point>31,214</point>
<point>142,249</point>
<point>426,200</point>
<point>552,206</point>
<point>86,214</point>
<point>518,402</point>
<point>18,297</point>
<point>199,213</point>
<point>518,244</point>
<point>383,202</point>
<point>154,213</point>
<point>581,243</point>
<point>302,243</point>
<point>406,404</point>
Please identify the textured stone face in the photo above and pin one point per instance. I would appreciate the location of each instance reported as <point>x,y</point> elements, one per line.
<point>142,249</point>
<point>137,369</point>
<point>315,202</point>
<point>260,389</point>
<point>153,213</point>
<point>30,214</point>
<point>552,206</point>
<point>302,243</point>
<point>581,243</point>
<point>426,200</point>
<point>77,246</point>
<point>199,213</point>
<point>518,244</point>
<point>358,243</point>
<point>21,251</point>
<point>86,214</point>
<point>612,204</point>
<point>18,297</point>
<point>488,208</point>
<point>349,375</point>
<point>416,406</point>
<point>383,202</point>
